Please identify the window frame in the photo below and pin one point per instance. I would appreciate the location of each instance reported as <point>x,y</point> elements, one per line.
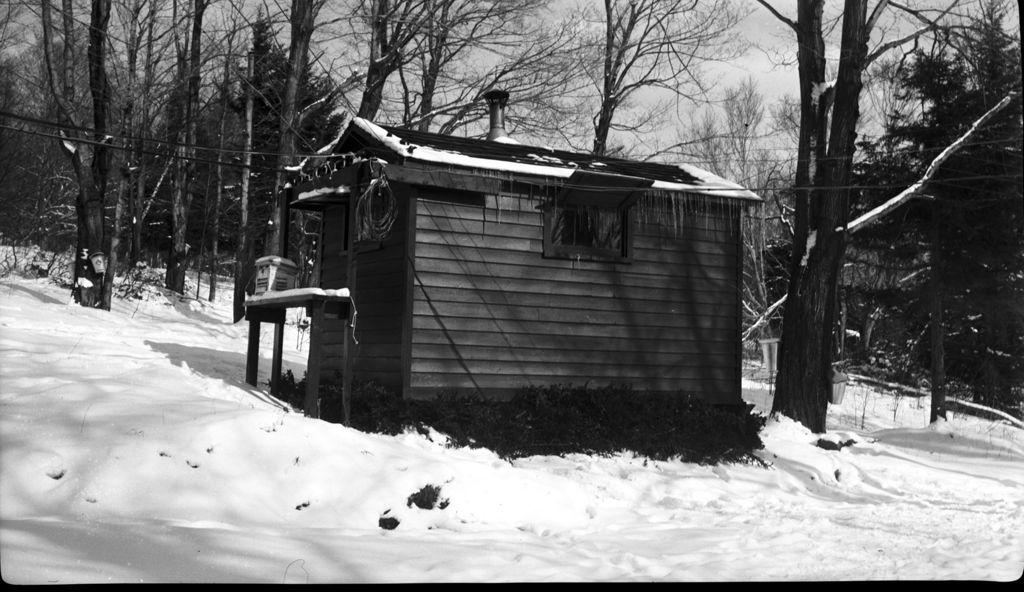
<point>555,250</point>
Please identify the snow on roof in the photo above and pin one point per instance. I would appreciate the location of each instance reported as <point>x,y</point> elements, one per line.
<point>542,162</point>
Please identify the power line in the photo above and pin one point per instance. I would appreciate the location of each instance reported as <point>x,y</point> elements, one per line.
<point>141,151</point>
<point>249,23</point>
<point>275,154</point>
<point>468,173</point>
<point>129,138</point>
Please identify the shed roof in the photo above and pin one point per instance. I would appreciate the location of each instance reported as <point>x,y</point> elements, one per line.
<point>452,152</point>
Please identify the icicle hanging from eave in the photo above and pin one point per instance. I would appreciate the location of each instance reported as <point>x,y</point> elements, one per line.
<point>669,210</point>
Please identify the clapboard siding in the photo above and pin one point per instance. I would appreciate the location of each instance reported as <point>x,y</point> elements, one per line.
<point>682,301</point>
<point>498,385</point>
<point>585,272</point>
<point>555,342</point>
<point>496,372</point>
<point>525,287</point>
<point>568,356</point>
<point>617,333</point>
<point>447,222</point>
<point>694,264</point>
<point>514,313</point>
<point>490,313</point>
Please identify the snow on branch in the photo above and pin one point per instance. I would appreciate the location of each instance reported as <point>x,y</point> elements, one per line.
<point>929,25</point>
<point>763,318</point>
<point>1002,414</point>
<point>916,188</point>
<point>904,195</point>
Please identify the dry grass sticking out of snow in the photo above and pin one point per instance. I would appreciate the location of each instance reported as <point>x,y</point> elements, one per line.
<point>131,450</point>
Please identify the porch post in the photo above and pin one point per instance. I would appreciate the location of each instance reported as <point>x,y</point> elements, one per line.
<point>311,404</point>
<point>275,369</point>
<point>252,353</point>
<point>350,279</point>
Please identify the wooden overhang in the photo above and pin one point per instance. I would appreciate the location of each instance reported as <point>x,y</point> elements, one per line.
<point>337,189</point>
<point>602,190</point>
<point>321,191</point>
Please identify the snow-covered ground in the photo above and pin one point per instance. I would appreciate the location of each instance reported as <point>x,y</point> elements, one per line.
<point>131,450</point>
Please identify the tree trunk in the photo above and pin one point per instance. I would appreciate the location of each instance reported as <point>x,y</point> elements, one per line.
<point>92,180</point>
<point>808,333</point>
<point>139,208</point>
<point>938,361</point>
<point>101,163</point>
<point>177,257</point>
<point>138,199</point>
<point>869,328</point>
<point>303,14</point>
<point>219,174</point>
<point>215,218</point>
<point>114,244</point>
<point>181,195</point>
<point>437,38</point>
<point>380,63</point>
<point>243,254</point>
<point>606,111</point>
<point>843,316</point>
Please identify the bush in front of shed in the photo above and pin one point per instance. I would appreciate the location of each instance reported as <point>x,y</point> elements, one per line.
<point>557,420</point>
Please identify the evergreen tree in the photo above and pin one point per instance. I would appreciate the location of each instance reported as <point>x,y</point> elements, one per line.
<point>319,124</point>
<point>966,241</point>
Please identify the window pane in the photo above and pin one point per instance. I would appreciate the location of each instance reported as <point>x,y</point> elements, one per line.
<point>599,228</point>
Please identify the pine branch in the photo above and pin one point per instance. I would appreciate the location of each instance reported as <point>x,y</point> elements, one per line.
<point>915,189</point>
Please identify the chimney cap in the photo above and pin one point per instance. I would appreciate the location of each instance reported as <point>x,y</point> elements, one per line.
<point>496,95</point>
<point>496,101</point>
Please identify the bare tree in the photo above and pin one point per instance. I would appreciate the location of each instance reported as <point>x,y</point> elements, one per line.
<point>188,55</point>
<point>244,249</point>
<point>394,25</point>
<point>424,64</point>
<point>225,95</point>
<point>654,45</point>
<point>142,102</point>
<point>735,141</point>
<point>470,46</point>
<point>829,113</point>
<point>10,31</point>
<point>92,180</point>
<point>303,16</point>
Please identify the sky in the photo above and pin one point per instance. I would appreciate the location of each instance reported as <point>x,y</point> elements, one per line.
<point>772,43</point>
<point>131,450</point>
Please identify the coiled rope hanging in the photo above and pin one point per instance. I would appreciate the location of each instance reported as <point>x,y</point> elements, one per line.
<point>376,209</point>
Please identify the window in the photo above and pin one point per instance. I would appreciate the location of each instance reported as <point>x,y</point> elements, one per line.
<point>592,233</point>
<point>590,217</point>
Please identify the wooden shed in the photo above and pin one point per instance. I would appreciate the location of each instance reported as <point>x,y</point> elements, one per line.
<point>483,266</point>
